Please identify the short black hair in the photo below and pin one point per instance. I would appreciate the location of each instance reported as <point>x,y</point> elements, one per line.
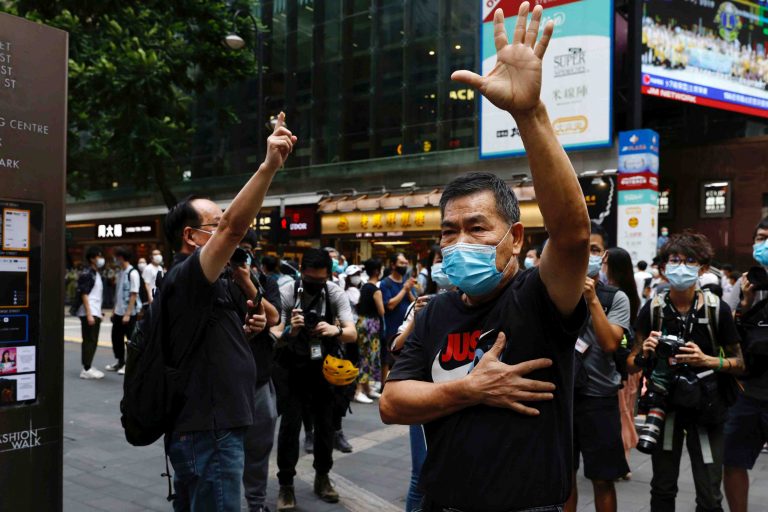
<point>763,224</point>
<point>507,205</point>
<point>642,265</point>
<point>250,238</point>
<point>270,263</point>
<point>124,252</point>
<point>93,251</point>
<point>689,244</point>
<point>372,266</point>
<point>598,229</point>
<point>393,257</point>
<point>317,259</point>
<point>179,217</point>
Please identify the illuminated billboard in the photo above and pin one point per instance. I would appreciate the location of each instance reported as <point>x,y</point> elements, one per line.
<point>707,52</point>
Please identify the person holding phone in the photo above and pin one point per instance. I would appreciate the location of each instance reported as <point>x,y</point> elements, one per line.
<point>397,290</point>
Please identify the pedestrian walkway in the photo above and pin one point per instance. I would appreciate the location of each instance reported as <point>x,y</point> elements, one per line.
<point>102,472</point>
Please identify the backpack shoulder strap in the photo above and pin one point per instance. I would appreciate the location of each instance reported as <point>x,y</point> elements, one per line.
<point>606,294</point>
<point>657,311</point>
<point>712,309</point>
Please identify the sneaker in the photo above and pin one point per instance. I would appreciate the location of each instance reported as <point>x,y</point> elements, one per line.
<point>374,394</point>
<point>324,489</point>
<point>121,371</point>
<point>376,385</point>
<point>340,443</point>
<point>309,442</point>
<point>91,374</point>
<point>362,399</point>
<point>113,367</point>
<point>286,499</point>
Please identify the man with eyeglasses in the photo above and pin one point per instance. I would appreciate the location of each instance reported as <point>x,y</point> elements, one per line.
<point>317,318</point>
<point>688,347</point>
<point>746,431</point>
<point>206,446</point>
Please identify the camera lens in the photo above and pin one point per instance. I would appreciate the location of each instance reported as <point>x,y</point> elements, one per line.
<point>652,430</point>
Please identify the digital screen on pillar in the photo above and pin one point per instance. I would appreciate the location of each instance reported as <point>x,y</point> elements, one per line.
<point>707,52</point>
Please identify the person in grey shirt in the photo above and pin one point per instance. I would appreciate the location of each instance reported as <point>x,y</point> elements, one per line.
<point>317,318</point>
<point>596,416</point>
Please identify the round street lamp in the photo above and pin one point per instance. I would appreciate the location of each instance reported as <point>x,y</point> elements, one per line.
<point>234,41</point>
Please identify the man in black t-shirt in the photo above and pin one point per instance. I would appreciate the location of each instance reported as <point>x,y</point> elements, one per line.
<point>206,445</point>
<point>489,448</point>
<point>688,384</point>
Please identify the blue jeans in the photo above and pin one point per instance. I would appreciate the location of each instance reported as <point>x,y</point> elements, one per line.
<point>208,469</point>
<point>418,455</point>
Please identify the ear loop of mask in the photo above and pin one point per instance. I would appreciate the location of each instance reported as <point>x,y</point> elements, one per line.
<point>511,257</point>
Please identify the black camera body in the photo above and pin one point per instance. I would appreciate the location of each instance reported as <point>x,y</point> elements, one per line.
<point>311,319</point>
<point>239,257</point>
<point>669,346</point>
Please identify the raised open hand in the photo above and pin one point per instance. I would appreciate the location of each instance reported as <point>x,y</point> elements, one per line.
<point>514,84</point>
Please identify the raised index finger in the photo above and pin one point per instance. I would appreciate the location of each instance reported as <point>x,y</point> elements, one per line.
<point>499,31</point>
<point>280,121</point>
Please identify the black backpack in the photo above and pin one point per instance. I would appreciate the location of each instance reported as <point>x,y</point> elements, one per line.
<point>154,387</point>
<point>753,330</point>
<point>143,294</point>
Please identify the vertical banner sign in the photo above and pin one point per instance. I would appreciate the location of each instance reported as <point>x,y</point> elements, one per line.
<point>638,193</point>
<point>577,75</point>
<point>33,124</point>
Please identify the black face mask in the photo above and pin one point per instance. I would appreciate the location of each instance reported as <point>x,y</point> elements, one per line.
<point>401,270</point>
<point>313,288</point>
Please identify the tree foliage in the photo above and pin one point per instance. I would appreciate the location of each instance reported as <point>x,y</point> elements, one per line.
<point>135,69</point>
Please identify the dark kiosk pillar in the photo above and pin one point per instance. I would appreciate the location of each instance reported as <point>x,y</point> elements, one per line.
<point>33,124</point>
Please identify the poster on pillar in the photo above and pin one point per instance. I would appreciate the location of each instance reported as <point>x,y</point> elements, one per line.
<point>638,184</point>
<point>577,75</point>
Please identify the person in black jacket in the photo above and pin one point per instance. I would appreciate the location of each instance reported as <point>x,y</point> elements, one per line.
<point>90,293</point>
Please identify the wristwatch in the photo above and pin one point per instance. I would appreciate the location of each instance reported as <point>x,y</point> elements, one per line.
<point>341,331</point>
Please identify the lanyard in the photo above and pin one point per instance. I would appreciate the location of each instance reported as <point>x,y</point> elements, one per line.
<point>690,319</point>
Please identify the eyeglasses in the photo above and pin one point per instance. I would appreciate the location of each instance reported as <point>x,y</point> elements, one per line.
<point>689,261</point>
<point>211,232</point>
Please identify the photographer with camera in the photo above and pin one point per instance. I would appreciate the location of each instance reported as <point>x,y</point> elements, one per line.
<point>688,347</point>
<point>746,430</point>
<point>318,320</point>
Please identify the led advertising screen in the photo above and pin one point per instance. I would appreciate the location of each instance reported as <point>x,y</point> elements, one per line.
<point>707,52</point>
<point>577,74</point>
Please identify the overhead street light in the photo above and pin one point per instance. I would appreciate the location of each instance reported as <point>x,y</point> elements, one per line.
<point>234,41</point>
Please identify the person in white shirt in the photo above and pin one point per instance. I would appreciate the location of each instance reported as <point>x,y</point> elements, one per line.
<point>90,293</point>
<point>641,278</point>
<point>127,305</point>
<point>150,273</point>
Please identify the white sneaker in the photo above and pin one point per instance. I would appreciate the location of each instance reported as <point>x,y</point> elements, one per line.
<point>91,374</point>
<point>374,394</point>
<point>376,385</point>
<point>112,367</point>
<point>362,399</point>
<point>121,371</point>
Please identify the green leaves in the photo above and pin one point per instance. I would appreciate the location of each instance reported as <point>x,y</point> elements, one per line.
<point>135,70</point>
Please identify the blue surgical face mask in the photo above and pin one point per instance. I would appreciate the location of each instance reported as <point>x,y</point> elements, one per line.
<point>472,267</point>
<point>760,253</point>
<point>681,276</point>
<point>439,277</point>
<point>595,265</point>
<point>529,263</point>
<point>335,269</point>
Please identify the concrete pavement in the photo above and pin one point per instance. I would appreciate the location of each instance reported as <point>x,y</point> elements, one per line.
<point>103,472</point>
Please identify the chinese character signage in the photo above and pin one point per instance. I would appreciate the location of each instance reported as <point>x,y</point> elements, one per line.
<point>577,76</point>
<point>715,199</point>
<point>121,230</point>
<point>381,222</point>
<point>638,184</point>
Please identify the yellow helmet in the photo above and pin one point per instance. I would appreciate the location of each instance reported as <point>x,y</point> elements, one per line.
<point>339,372</point>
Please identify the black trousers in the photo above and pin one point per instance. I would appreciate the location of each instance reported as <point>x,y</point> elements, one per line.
<point>120,333</point>
<point>299,388</point>
<point>90,335</point>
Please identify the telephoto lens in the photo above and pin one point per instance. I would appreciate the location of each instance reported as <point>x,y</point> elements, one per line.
<point>651,432</point>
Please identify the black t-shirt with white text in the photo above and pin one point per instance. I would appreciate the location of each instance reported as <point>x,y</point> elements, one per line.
<point>487,459</point>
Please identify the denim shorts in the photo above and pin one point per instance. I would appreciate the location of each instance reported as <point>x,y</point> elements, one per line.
<point>746,431</point>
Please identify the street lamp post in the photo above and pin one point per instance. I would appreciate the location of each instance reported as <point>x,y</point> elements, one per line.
<point>235,42</point>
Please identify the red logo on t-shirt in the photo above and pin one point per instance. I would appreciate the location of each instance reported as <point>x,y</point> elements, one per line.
<point>459,350</point>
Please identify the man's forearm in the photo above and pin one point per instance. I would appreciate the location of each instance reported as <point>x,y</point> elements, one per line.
<point>247,203</point>
<point>558,192</point>
<point>86,304</point>
<point>396,300</point>
<point>348,333</point>
<point>604,332</point>
<point>412,402</point>
<point>131,303</point>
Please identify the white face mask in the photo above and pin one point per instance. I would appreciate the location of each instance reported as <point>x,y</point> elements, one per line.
<point>142,266</point>
<point>354,280</point>
<point>100,262</point>
<point>157,259</point>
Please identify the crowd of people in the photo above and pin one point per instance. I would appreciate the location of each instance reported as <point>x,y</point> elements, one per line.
<point>510,364</point>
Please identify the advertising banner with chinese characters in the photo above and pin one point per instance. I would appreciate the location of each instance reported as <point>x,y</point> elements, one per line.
<point>576,81</point>
<point>381,222</point>
<point>638,193</point>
